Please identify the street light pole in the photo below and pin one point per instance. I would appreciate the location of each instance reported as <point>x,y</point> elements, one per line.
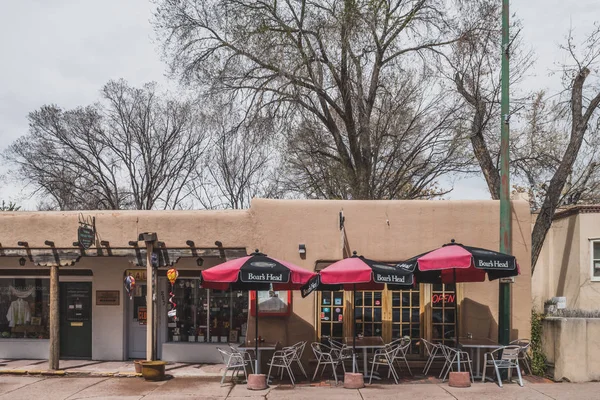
<point>505,212</point>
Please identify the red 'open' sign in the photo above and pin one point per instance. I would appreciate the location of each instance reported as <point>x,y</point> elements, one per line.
<point>443,298</point>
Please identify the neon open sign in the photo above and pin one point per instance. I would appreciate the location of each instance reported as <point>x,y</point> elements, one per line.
<point>443,298</point>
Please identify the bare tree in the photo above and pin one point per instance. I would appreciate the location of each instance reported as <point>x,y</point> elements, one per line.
<point>134,149</point>
<point>334,69</point>
<point>240,163</point>
<point>550,158</point>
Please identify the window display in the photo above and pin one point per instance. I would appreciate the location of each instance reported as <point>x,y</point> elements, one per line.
<point>206,315</point>
<point>24,308</point>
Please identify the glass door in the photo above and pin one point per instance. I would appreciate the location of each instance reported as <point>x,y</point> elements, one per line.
<point>406,316</point>
<point>368,317</point>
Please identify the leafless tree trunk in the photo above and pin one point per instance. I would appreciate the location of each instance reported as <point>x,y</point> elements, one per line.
<point>540,158</point>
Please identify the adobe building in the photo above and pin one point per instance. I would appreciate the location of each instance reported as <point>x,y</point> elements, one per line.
<point>100,320</point>
<point>569,263</point>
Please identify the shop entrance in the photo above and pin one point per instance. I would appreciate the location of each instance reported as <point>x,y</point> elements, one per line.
<point>136,322</point>
<point>75,319</point>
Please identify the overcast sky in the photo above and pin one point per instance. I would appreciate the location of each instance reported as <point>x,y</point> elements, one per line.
<point>63,51</point>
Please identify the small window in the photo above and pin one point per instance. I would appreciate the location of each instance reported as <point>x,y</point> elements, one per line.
<point>596,260</point>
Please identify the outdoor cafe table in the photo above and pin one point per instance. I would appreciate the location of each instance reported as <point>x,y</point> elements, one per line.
<point>477,344</point>
<point>366,343</point>
<point>261,347</point>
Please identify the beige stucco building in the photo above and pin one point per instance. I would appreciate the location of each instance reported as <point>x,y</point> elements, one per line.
<point>99,319</point>
<point>569,264</point>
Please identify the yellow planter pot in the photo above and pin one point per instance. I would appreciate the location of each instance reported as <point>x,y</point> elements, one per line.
<point>153,370</point>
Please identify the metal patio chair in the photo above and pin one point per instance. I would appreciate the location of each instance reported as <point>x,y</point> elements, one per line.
<point>233,362</point>
<point>298,351</point>
<point>282,360</point>
<point>325,356</point>
<point>246,355</point>
<point>434,352</point>
<point>506,357</point>
<point>454,356</point>
<point>525,344</point>
<point>344,353</point>
<point>401,347</point>
<point>384,356</point>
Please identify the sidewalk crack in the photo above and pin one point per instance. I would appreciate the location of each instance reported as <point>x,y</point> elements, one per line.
<point>21,387</point>
<point>446,390</point>
<point>82,389</point>
<point>543,394</point>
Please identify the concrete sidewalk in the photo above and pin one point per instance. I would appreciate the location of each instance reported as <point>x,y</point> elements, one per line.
<point>104,368</point>
<point>55,388</point>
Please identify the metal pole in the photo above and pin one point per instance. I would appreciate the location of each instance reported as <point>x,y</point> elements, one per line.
<point>257,369</point>
<point>505,214</point>
<point>354,366</point>
<point>149,304</point>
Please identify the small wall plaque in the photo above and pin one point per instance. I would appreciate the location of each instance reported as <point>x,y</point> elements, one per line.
<point>107,297</point>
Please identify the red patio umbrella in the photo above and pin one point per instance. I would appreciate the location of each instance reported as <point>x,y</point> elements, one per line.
<point>255,272</point>
<point>456,263</point>
<point>359,273</point>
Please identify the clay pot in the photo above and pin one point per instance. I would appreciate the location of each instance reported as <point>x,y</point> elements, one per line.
<point>138,366</point>
<point>153,370</point>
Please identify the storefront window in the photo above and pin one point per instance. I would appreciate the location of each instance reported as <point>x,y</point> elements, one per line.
<point>332,314</point>
<point>596,260</point>
<point>443,307</point>
<point>406,316</point>
<point>368,313</point>
<point>205,315</point>
<point>24,308</point>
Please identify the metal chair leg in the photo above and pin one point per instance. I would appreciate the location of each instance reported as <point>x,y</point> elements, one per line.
<point>519,374</point>
<point>498,375</point>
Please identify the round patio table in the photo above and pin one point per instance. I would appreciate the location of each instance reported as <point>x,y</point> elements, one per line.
<point>476,344</point>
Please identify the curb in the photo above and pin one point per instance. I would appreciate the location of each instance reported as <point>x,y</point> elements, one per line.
<point>65,373</point>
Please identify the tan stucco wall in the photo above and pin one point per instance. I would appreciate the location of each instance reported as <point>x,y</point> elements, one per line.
<point>572,345</point>
<point>557,270</point>
<point>383,230</point>
<point>564,266</point>
<point>589,291</point>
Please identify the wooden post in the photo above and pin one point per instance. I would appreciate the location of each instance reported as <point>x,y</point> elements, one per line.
<point>53,358</point>
<point>149,304</point>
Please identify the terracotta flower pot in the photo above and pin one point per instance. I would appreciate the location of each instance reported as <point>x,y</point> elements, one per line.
<point>138,366</point>
<point>153,370</point>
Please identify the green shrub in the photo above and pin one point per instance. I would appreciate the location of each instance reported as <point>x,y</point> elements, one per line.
<point>538,359</point>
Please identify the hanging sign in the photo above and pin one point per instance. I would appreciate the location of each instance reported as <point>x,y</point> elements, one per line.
<point>85,236</point>
<point>86,233</point>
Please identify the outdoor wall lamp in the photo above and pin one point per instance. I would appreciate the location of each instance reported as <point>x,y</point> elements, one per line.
<point>133,243</point>
<point>24,244</point>
<point>218,243</point>
<point>75,244</point>
<point>190,243</point>
<point>22,261</point>
<point>200,261</point>
<point>302,248</point>
<point>104,243</point>
<point>49,243</point>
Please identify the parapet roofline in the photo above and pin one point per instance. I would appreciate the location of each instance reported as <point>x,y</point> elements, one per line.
<point>582,209</point>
